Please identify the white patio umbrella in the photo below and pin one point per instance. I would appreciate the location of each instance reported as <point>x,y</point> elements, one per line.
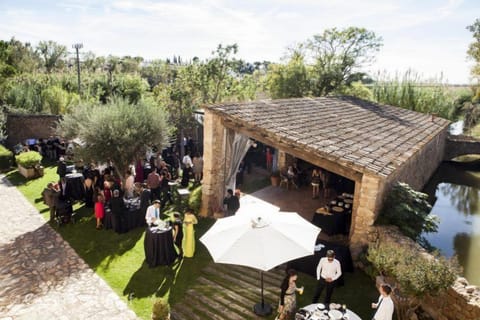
<point>262,240</point>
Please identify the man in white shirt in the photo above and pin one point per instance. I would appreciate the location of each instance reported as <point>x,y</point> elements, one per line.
<point>328,271</point>
<point>384,305</point>
<point>152,215</point>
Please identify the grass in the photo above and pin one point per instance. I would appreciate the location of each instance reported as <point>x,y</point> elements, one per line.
<point>119,258</point>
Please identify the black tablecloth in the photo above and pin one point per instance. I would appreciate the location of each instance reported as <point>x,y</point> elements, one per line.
<point>74,186</point>
<point>336,223</point>
<point>309,264</point>
<point>159,248</point>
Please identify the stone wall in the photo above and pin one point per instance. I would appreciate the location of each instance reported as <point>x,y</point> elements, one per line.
<point>21,127</point>
<point>459,302</point>
<point>418,169</point>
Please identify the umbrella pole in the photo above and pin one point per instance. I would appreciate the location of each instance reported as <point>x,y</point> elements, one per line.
<point>262,309</point>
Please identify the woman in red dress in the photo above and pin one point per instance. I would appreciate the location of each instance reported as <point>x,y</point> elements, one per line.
<point>99,210</point>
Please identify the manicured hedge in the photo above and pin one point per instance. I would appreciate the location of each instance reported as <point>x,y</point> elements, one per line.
<point>6,157</point>
<point>28,159</point>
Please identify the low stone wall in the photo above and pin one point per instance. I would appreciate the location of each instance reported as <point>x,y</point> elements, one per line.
<point>22,126</point>
<point>459,302</point>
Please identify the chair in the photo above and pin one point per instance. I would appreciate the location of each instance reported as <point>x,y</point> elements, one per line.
<point>284,180</point>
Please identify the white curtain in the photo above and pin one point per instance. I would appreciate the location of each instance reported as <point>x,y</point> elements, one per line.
<point>237,146</point>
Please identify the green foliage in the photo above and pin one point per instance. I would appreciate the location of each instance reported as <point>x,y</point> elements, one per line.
<point>130,87</point>
<point>356,89</point>
<point>411,92</point>
<point>161,310</point>
<point>3,123</point>
<point>409,210</point>
<point>5,157</point>
<point>195,199</point>
<point>337,54</point>
<point>474,48</point>
<point>416,275</point>
<point>118,130</point>
<point>56,100</point>
<point>290,80</point>
<point>53,55</point>
<point>28,159</point>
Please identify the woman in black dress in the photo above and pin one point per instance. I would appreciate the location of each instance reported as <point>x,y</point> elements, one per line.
<point>178,233</point>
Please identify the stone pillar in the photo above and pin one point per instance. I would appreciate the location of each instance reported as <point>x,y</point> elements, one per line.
<point>366,205</point>
<point>282,160</point>
<point>214,164</point>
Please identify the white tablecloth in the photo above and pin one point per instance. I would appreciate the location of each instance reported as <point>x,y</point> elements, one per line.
<point>313,307</point>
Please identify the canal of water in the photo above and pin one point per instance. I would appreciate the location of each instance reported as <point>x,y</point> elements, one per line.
<point>454,191</point>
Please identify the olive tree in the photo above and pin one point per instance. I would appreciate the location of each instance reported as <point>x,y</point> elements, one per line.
<point>415,275</point>
<point>117,131</point>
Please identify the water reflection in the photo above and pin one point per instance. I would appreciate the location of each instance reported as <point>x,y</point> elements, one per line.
<point>455,195</point>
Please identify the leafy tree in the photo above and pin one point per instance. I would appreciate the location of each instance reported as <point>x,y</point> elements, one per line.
<point>53,55</point>
<point>409,210</point>
<point>57,100</point>
<point>290,80</point>
<point>474,48</point>
<point>416,275</point>
<point>117,131</point>
<point>130,87</point>
<point>337,54</point>
<point>356,89</point>
<point>158,71</point>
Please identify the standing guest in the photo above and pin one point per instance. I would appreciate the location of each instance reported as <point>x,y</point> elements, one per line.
<point>189,237</point>
<point>328,271</point>
<point>129,185</point>
<point>88,183</point>
<point>288,299</point>
<point>139,171</point>
<point>144,195</point>
<point>197,167</point>
<point>62,167</point>
<point>232,202</point>
<point>384,304</point>
<point>187,169</point>
<point>316,180</point>
<point>153,213</point>
<point>153,183</point>
<point>107,191</point>
<point>165,194</point>
<point>50,198</point>
<point>118,210</point>
<point>178,233</point>
<point>99,210</point>
<point>268,159</point>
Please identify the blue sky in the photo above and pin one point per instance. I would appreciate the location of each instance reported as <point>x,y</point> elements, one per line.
<point>427,36</point>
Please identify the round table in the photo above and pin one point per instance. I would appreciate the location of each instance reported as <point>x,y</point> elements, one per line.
<point>317,314</point>
<point>159,247</point>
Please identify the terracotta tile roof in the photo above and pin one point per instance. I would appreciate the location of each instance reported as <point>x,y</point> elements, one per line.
<point>358,134</point>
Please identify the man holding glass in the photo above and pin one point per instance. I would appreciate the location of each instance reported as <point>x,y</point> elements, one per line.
<point>328,272</point>
<point>153,213</point>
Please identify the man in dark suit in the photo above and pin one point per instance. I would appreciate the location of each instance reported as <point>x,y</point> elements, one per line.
<point>118,210</point>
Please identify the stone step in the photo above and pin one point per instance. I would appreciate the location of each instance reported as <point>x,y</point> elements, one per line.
<point>276,275</point>
<point>234,296</point>
<point>254,280</point>
<point>219,309</point>
<point>196,303</point>
<point>182,312</point>
<point>255,275</point>
<point>250,287</point>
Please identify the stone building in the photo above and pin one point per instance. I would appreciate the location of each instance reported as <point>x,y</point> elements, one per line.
<point>372,145</point>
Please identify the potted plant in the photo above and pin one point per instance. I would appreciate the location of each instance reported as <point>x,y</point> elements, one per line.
<point>29,164</point>
<point>275,178</point>
<point>161,310</point>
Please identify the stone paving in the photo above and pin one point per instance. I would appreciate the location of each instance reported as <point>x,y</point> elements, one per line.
<point>41,276</point>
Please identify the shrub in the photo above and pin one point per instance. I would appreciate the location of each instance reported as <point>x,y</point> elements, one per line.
<point>28,159</point>
<point>195,199</point>
<point>416,274</point>
<point>5,158</point>
<point>409,210</point>
<point>161,310</point>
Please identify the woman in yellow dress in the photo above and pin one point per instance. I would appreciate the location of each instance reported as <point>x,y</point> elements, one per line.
<point>189,234</point>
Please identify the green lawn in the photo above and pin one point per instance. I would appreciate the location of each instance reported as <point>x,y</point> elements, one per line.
<point>119,258</point>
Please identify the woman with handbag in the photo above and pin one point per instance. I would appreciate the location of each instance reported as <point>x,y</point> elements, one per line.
<point>288,299</point>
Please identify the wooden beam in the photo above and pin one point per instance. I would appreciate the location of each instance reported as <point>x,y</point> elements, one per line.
<point>295,150</point>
